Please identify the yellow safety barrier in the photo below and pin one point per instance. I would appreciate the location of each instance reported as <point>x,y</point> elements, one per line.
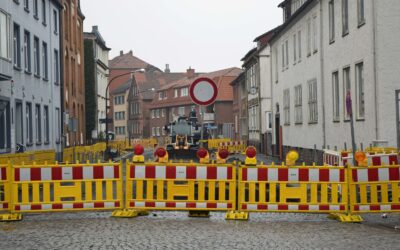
<point>214,143</point>
<point>375,189</point>
<point>146,143</point>
<point>295,189</point>
<point>4,187</point>
<point>234,147</point>
<point>40,156</point>
<point>179,186</point>
<point>91,153</point>
<point>66,187</point>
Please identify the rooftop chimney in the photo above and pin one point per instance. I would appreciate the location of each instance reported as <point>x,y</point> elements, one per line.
<point>95,28</point>
<point>167,70</point>
<point>190,72</point>
<point>121,52</point>
<point>130,52</point>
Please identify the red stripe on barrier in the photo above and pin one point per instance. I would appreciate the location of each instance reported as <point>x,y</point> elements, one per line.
<point>5,205</point>
<point>56,173</point>
<point>132,172</point>
<point>36,174</point>
<point>341,207</point>
<point>262,207</point>
<point>98,172</point>
<point>211,173</point>
<point>57,206</point>
<point>116,171</point>
<point>356,208</point>
<point>303,207</point>
<point>132,204</point>
<point>98,204</point>
<point>395,206</point>
<point>17,207</point>
<point>229,169</point>
<point>373,174</point>
<point>341,173</point>
<point>324,207</point>
<point>303,174</point>
<point>229,205</point>
<point>244,174</point>
<point>374,207</point>
<point>211,205</point>
<point>150,204</point>
<point>16,174</point>
<point>77,173</point>
<point>393,160</point>
<point>283,174</point>
<point>191,172</point>
<point>355,175</point>
<point>190,204</point>
<point>262,174</point>
<point>150,172</point>
<point>170,204</point>
<point>376,161</point>
<point>283,207</point>
<point>36,207</point>
<point>117,204</point>
<point>394,174</point>
<point>324,175</point>
<point>77,205</point>
<point>244,206</point>
<point>3,174</point>
<point>345,154</point>
<point>171,172</point>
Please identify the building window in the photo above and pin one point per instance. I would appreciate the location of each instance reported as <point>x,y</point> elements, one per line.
<point>119,115</point>
<point>162,112</point>
<point>298,101</point>
<point>28,120</point>
<point>45,61</point>
<point>286,106</point>
<point>345,17</point>
<point>44,12</point>
<point>360,12</point>
<point>35,9</point>
<point>184,91</point>
<point>335,98</point>
<point>55,19</point>
<point>181,111</point>
<point>46,124</point>
<point>276,65</point>
<point>26,5</point>
<point>58,122</point>
<point>120,130</point>
<point>4,35</point>
<point>294,49</point>
<point>5,127</point>
<point>309,37</point>
<point>118,100</point>
<point>36,57</point>
<point>38,124</point>
<point>331,21</point>
<point>299,44</point>
<point>287,54</point>
<point>360,91</point>
<point>157,113</point>
<point>176,93</point>
<point>312,101</point>
<point>17,47</point>
<point>56,68</point>
<point>283,56</point>
<point>315,34</point>
<point>346,88</point>
<point>27,51</point>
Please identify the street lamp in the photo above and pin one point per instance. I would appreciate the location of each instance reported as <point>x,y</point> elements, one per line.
<point>106,97</point>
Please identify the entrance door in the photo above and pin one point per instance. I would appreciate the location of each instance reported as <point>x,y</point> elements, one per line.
<point>398,117</point>
<point>277,135</point>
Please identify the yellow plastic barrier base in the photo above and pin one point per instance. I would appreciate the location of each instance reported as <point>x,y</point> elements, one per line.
<point>236,215</point>
<point>129,213</point>
<point>138,158</point>
<point>10,217</point>
<point>202,214</point>
<point>346,218</point>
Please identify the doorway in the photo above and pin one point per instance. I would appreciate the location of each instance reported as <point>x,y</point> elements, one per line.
<point>278,135</point>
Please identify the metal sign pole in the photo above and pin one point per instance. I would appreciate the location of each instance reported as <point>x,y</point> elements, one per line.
<point>201,125</point>
<point>349,109</point>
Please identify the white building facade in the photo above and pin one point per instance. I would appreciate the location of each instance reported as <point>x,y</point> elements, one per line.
<point>325,49</point>
<point>30,112</point>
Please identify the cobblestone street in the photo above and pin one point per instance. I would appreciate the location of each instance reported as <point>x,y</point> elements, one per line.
<point>174,230</point>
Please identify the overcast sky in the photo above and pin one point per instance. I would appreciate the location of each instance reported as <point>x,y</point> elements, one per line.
<point>207,35</point>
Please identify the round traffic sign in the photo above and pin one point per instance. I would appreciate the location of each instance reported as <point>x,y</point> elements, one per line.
<point>203,91</point>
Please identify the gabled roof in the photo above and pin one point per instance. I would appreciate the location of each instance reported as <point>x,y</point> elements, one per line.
<point>129,61</point>
<point>122,88</point>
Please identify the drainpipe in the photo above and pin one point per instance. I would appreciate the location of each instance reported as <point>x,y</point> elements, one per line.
<point>322,75</point>
<point>375,72</point>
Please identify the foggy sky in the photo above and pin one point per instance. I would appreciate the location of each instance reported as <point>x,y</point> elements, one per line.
<point>206,35</point>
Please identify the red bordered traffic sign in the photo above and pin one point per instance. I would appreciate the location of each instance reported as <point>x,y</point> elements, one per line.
<point>203,91</point>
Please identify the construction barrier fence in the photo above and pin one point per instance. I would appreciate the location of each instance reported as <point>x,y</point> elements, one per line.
<point>40,156</point>
<point>91,153</point>
<point>214,143</point>
<point>234,147</point>
<point>180,186</point>
<point>4,187</point>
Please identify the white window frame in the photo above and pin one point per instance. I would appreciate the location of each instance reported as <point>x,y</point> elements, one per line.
<point>299,44</point>
<point>346,87</point>
<point>315,34</point>
<point>331,11</point>
<point>360,12</point>
<point>286,106</point>
<point>294,48</point>
<point>298,104</point>
<point>360,90</point>
<point>308,37</point>
<point>345,17</point>
<point>176,93</point>
<point>313,101</point>
<point>38,123</point>
<point>335,97</point>
<point>29,123</point>
<point>5,35</point>
<point>184,91</point>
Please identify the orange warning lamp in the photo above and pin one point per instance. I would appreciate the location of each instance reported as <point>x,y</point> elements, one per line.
<point>291,157</point>
<point>162,155</point>
<point>138,150</point>
<point>251,153</point>
<point>222,155</point>
<point>203,155</point>
<point>361,159</point>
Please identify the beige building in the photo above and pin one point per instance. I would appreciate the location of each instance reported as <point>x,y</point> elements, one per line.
<point>120,111</point>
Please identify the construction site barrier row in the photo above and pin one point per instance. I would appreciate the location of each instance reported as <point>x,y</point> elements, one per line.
<point>91,153</point>
<point>343,192</point>
<point>39,156</point>
<point>234,147</point>
<point>214,143</point>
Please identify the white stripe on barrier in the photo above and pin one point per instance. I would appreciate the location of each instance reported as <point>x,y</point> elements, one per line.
<point>383,174</point>
<point>272,207</point>
<point>293,207</point>
<point>180,172</point>
<point>68,206</point>
<point>385,160</point>
<point>25,174</point>
<point>201,173</point>
<point>222,173</point>
<point>201,205</point>
<point>313,207</point>
<point>88,205</point>
<point>47,207</point>
<point>160,204</point>
<point>386,207</point>
<point>364,208</point>
<point>222,205</point>
<point>45,174</point>
<point>293,174</point>
<point>180,204</point>
<point>139,204</point>
<point>334,207</point>
<point>362,175</point>
<point>251,207</point>
<point>313,175</point>
<point>109,204</point>
<point>160,172</point>
<point>334,175</point>
<point>25,207</point>
<point>252,174</point>
<point>140,172</point>
<point>108,172</point>
<point>272,174</point>
<point>67,173</point>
